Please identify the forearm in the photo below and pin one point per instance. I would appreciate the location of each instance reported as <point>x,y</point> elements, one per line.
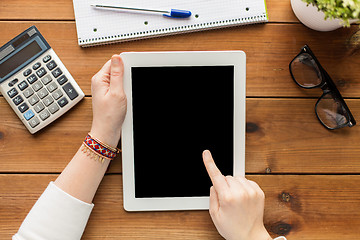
<point>82,176</point>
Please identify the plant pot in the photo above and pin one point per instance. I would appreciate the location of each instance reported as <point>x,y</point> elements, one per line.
<point>314,19</point>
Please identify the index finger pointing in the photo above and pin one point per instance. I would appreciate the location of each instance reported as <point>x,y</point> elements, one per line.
<point>216,177</point>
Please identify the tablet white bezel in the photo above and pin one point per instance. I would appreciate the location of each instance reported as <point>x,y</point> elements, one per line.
<point>154,59</point>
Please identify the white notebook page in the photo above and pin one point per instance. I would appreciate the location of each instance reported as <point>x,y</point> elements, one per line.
<point>96,25</point>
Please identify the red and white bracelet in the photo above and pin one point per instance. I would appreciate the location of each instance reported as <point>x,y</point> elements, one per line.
<point>97,149</point>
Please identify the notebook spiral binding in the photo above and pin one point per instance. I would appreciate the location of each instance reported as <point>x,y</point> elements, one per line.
<point>172,31</point>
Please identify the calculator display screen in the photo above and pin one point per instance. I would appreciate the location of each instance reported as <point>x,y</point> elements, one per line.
<point>178,112</point>
<point>19,58</point>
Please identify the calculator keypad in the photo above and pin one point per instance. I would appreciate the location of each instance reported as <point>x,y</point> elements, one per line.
<point>28,92</point>
<point>37,86</point>
<point>29,114</point>
<point>61,80</point>
<point>62,102</point>
<point>45,80</point>
<point>39,107</point>
<point>23,107</point>
<point>36,65</point>
<point>34,122</point>
<point>27,72</point>
<point>46,58</point>
<point>43,93</point>
<point>51,65</point>
<point>57,72</point>
<point>18,99</point>
<point>13,82</point>
<point>12,93</point>
<point>40,94</point>
<point>23,85</point>
<point>32,78</point>
<point>33,100</point>
<point>41,72</point>
<point>52,87</point>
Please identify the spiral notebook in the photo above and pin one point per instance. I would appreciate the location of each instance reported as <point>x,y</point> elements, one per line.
<point>103,26</point>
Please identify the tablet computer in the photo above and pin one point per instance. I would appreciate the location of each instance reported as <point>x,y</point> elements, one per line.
<point>178,105</point>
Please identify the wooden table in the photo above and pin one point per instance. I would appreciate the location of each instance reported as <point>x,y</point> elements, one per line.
<point>310,175</point>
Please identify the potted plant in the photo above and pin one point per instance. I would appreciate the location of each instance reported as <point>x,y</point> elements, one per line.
<point>326,15</point>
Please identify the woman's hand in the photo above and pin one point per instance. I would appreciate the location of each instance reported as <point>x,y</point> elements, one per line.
<point>236,205</point>
<point>109,102</point>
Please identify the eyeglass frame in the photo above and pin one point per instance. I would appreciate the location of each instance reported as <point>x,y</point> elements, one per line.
<point>327,86</point>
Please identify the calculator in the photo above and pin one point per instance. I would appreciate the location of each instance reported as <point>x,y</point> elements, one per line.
<point>35,82</point>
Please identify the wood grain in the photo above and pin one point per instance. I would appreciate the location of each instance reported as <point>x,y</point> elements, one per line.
<point>283,136</point>
<point>300,207</point>
<point>269,49</point>
<point>50,149</point>
<point>63,10</point>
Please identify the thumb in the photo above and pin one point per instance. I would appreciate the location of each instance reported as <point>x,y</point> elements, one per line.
<point>117,72</point>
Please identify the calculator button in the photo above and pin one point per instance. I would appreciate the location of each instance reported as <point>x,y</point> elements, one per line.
<point>32,78</point>
<point>44,114</point>
<point>41,72</point>
<point>61,80</point>
<point>17,100</point>
<point>62,102</point>
<point>29,114</point>
<point>39,107</point>
<point>53,108</point>
<point>12,93</point>
<point>42,93</point>
<point>27,72</point>
<point>37,86</point>
<point>51,65</point>
<point>48,100</point>
<point>52,87</point>
<point>28,92</point>
<point>34,99</point>
<point>13,82</point>
<point>46,58</point>
<point>57,72</point>
<point>57,94</point>
<point>23,107</point>
<point>23,85</point>
<point>70,91</point>
<point>36,65</point>
<point>34,122</point>
<point>45,80</point>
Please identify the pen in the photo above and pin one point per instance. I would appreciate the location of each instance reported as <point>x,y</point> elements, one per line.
<point>173,13</point>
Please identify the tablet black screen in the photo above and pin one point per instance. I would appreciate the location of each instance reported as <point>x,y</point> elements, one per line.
<point>177,113</point>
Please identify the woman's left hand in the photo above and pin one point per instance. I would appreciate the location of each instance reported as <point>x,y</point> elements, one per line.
<point>109,102</point>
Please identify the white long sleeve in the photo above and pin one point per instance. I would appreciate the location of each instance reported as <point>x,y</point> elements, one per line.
<point>55,216</point>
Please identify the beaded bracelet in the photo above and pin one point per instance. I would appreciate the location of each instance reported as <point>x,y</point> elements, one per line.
<point>97,149</point>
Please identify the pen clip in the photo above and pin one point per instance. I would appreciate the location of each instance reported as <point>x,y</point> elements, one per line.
<point>176,13</point>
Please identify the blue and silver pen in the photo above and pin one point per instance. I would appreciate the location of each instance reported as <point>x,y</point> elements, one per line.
<point>173,13</point>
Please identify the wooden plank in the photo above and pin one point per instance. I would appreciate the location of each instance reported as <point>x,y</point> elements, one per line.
<point>37,10</point>
<point>279,11</point>
<point>300,207</point>
<point>48,150</point>
<point>283,136</point>
<point>269,50</point>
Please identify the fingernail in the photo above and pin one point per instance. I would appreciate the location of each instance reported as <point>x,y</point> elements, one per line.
<point>207,154</point>
<point>115,60</point>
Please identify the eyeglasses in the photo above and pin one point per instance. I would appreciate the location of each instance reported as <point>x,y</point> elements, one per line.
<point>330,109</point>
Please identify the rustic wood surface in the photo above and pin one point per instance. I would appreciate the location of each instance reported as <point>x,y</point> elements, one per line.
<point>301,207</point>
<point>310,175</point>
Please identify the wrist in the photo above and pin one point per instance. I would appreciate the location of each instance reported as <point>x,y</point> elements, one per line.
<point>110,138</point>
<point>261,234</point>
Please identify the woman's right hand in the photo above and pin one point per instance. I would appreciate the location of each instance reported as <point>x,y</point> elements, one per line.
<point>236,205</point>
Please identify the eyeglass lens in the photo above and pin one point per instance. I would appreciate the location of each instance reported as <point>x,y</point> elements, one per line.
<point>305,71</point>
<point>331,112</point>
